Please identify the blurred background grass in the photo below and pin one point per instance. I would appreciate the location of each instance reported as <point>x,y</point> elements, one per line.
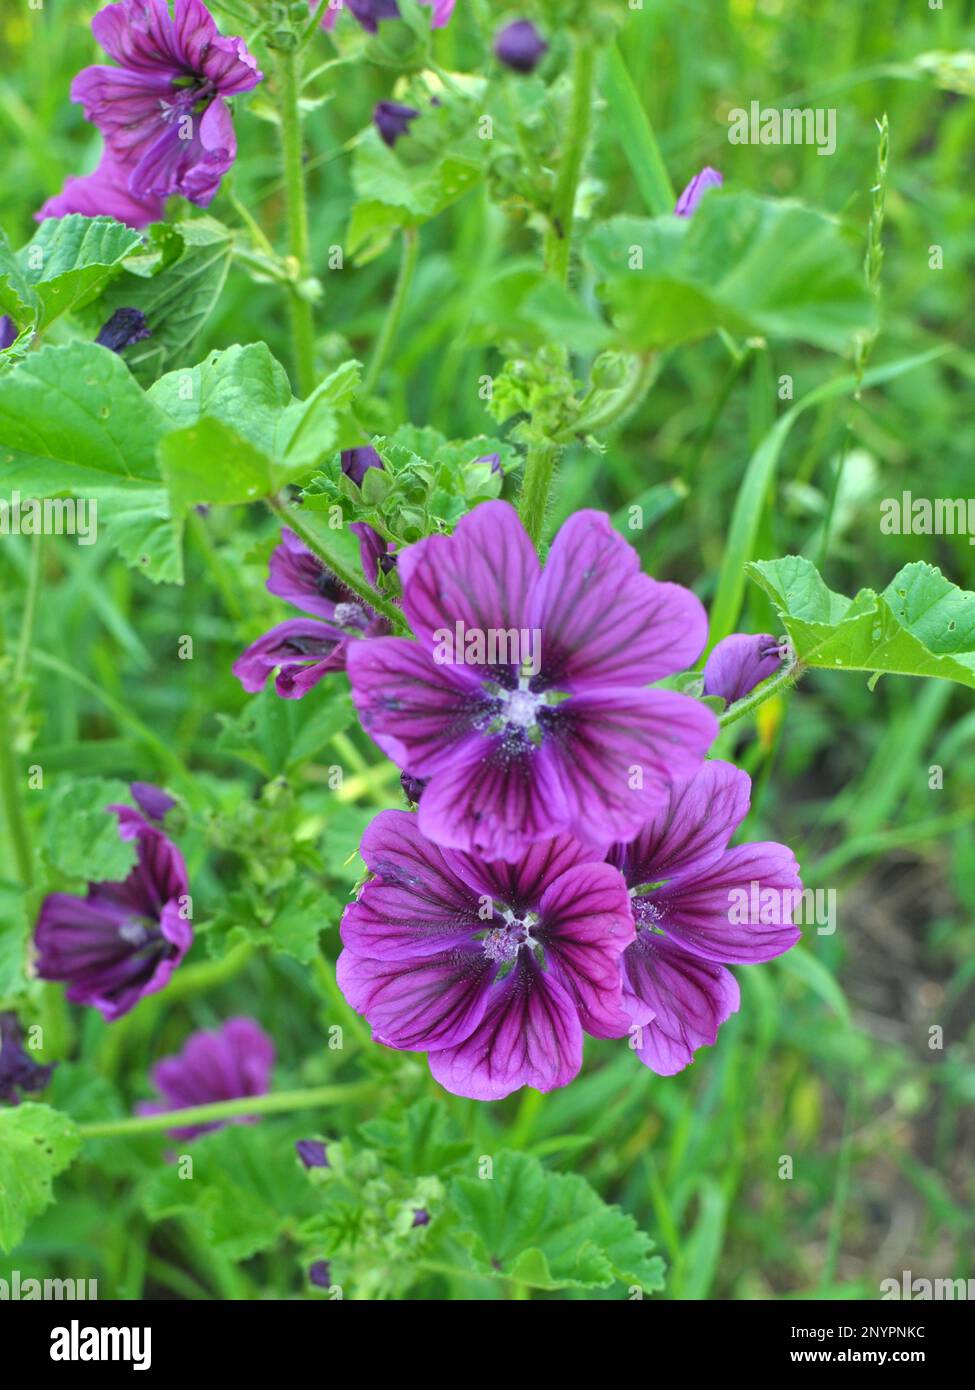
<point>829,1060</point>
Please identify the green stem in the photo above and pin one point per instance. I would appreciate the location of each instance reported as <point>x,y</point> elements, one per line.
<point>30,608</point>
<point>302,322</point>
<point>535,485</point>
<point>784,680</point>
<point>621,404</point>
<point>407,265</point>
<point>558,239</point>
<point>291,517</point>
<point>275,1103</point>
<point>13,808</point>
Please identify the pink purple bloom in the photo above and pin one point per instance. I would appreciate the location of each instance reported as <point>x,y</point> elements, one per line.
<point>234,1060</point>
<point>20,1075</point>
<point>520,46</point>
<point>695,190</point>
<point>512,754</point>
<point>121,941</point>
<point>699,906</point>
<point>104,193</point>
<point>163,111</point>
<point>740,662</point>
<point>494,969</point>
<point>369,13</point>
<point>303,650</point>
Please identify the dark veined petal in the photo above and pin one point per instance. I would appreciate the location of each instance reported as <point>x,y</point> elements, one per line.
<point>520,883</point>
<point>676,1001</point>
<point>740,662</point>
<point>585,925</point>
<point>434,1002</point>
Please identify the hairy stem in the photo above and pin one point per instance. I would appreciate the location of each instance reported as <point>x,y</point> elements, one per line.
<point>275,1103</point>
<point>784,680</point>
<point>558,238</point>
<point>302,322</point>
<point>387,335</point>
<point>535,485</point>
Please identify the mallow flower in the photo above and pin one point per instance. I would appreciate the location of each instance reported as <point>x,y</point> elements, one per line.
<point>163,111</point>
<point>232,1061</point>
<point>698,907</point>
<point>104,193</point>
<point>303,650</point>
<point>20,1075</point>
<point>369,13</point>
<point>695,190</point>
<point>524,703</point>
<point>493,969</point>
<point>740,662</point>
<point>520,46</point>
<point>121,941</point>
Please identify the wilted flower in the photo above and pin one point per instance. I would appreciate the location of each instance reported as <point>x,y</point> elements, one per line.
<point>393,120</point>
<point>520,46</point>
<point>125,327</point>
<point>162,111</point>
<point>699,906</point>
<point>369,13</point>
<point>740,662</point>
<point>312,1153</point>
<point>123,940</point>
<point>234,1060</point>
<point>695,190</point>
<point>494,969</point>
<point>104,193</point>
<point>19,1073</point>
<point>524,702</point>
<point>303,650</point>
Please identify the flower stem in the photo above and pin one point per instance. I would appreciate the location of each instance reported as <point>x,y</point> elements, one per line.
<point>302,322</point>
<point>535,485</point>
<point>292,517</point>
<point>783,680</point>
<point>623,402</point>
<point>13,808</point>
<point>275,1103</point>
<point>407,265</point>
<point>558,238</point>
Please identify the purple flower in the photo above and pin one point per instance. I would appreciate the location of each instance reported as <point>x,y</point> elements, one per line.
<point>320,1274</point>
<point>303,650</point>
<point>421,1217</point>
<point>375,553</point>
<point>393,120</point>
<point>152,801</point>
<point>740,662</point>
<point>524,702</point>
<point>412,787</point>
<point>494,969</point>
<point>104,193</point>
<point>123,940</point>
<point>695,190</point>
<point>234,1060</point>
<point>370,12</point>
<point>18,1071</point>
<point>493,459</point>
<point>8,332</point>
<point>356,462</point>
<point>699,906</point>
<point>520,46</point>
<point>312,1153</point>
<point>162,111</point>
<point>125,327</point>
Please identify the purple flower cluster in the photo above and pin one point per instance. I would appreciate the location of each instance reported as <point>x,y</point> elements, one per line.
<point>162,111</point>
<point>567,870</point>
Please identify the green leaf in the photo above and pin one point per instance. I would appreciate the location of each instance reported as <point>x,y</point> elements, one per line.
<point>81,836</point>
<point>36,1143</point>
<point>423,1139</point>
<point>16,296</point>
<point>71,259</point>
<point>274,735</point>
<point>212,463</point>
<point>550,1230</point>
<point>751,265</point>
<point>812,973</point>
<point>142,529</point>
<point>636,135</point>
<point>921,625</point>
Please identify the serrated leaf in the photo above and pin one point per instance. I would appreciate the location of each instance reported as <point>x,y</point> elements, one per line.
<point>36,1143</point>
<point>70,260</point>
<point>921,625</point>
<point>550,1230</point>
<point>81,836</point>
<point>274,734</point>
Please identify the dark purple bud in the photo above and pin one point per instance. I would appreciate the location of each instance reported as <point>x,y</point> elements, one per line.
<point>493,459</point>
<point>412,786</point>
<point>355,463</point>
<point>520,46</point>
<point>8,331</point>
<point>152,801</point>
<point>125,327</point>
<point>421,1217</point>
<point>18,1071</point>
<point>374,551</point>
<point>740,662</point>
<point>393,120</point>
<point>695,190</point>
<point>320,1274</point>
<point>370,12</point>
<point>312,1153</point>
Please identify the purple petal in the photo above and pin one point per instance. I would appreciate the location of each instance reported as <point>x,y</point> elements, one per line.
<point>529,1036</point>
<point>300,578</point>
<point>103,193</point>
<point>303,648</point>
<point>226,1064</point>
<point>419,1004</point>
<point>520,884</point>
<point>375,554</point>
<point>740,662</point>
<point>585,925</point>
<point>603,622</point>
<point>677,1000</point>
<point>695,190</point>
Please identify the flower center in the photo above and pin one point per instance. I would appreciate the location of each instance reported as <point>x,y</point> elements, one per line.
<point>647,915</point>
<point>349,615</point>
<point>136,931</point>
<point>503,943</point>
